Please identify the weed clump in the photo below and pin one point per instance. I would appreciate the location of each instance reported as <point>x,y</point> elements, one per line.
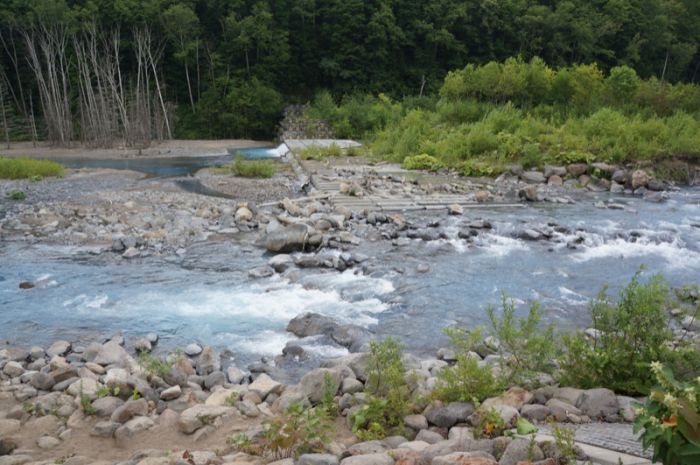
<point>27,168</point>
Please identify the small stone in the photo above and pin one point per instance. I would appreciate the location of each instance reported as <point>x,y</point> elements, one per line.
<point>455,209</point>
<point>243,214</point>
<point>171,393</point>
<point>193,349</point>
<point>428,436</point>
<point>59,348</point>
<point>248,408</point>
<point>261,272</point>
<point>47,442</point>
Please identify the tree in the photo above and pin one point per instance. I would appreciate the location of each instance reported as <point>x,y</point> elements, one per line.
<point>182,27</point>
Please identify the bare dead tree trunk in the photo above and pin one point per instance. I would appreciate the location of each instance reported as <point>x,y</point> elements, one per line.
<point>46,49</point>
<point>2,109</point>
<point>153,60</point>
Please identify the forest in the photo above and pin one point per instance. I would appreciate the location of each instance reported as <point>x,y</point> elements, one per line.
<point>100,71</point>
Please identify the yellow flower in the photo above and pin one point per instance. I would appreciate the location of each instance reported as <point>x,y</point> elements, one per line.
<point>669,399</point>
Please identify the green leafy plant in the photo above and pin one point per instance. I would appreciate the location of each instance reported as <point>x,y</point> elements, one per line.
<point>251,168</point>
<point>328,403</point>
<point>28,407</point>
<point>525,346</point>
<point>490,424</point>
<point>466,380</point>
<point>670,419</point>
<point>299,431</point>
<point>386,389</point>
<point>135,395</point>
<point>16,195</point>
<point>421,162</point>
<point>86,402</point>
<point>153,365</point>
<point>628,335</point>
<point>564,442</point>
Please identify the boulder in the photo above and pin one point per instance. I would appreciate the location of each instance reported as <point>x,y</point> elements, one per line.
<point>369,459</point>
<point>8,427</point>
<point>367,447</point>
<point>514,397</point>
<point>13,369</point>
<point>533,177</point>
<point>599,403</point>
<point>455,209</point>
<point>560,410</point>
<point>551,170</point>
<point>569,395</point>
<point>281,262</point>
<point>111,353</point>
<point>535,412</point>
<point>243,214</point>
<point>448,415</point>
<point>520,450</point>
<point>318,459</point>
<point>248,408</point>
<point>7,446</point>
<point>639,179</point>
<point>59,348</point>
<point>528,193</point>
<point>207,362</point>
<point>264,385</point>
<point>351,386</point>
<point>416,422</point>
<point>311,324</point>
<point>261,272</point>
<point>132,428</point>
<point>464,458</point>
<point>105,406</point>
<point>293,238</point>
<point>43,381</point>
<point>195,417</point>
<point>47,442</point>
<point>430,437</point>
<point>577,169</point>
<point>193,349</point>
<point>171,393</point>
<point>235,375</point>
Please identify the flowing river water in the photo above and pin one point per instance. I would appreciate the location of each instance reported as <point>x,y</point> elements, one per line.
<point>206,294</point>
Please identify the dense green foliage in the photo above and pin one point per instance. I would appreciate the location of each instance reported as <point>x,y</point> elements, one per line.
<point>227,66</point>
<point>27,168</point>
<point>250,168</point>
<point>627,336</point>
<point>526,112</point>
<point>467,380</point>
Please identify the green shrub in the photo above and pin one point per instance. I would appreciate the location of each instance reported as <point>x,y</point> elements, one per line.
<point>670,419</point>
<point>153,365</point>
<point>421,162</point>
<point>526,348</point>
<point>628,336</point>
<point>251,168</point>
<point>299,431</point>
<point>27,168</point>
<point>386,389</point>
<point>466,380</point>
<point>475,168</point>
<point>16,195</point>
<point>490,425</point>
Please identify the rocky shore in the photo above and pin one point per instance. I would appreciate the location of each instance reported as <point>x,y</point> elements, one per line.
<point>113,402</point>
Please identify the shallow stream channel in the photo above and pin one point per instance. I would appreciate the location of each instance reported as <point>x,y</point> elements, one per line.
<point>206,294</point>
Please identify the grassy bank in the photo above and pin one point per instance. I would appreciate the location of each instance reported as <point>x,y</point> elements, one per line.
<point>26,168</point>
<point>250,168</point>
<point>527,113</point>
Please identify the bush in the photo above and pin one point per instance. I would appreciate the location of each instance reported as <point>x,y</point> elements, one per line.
<point>670,419</point>
<point>27,168</point>
<point>525,347</point>
<point>16,195</point>
<point>421,162</point>
<point>251,168</point>
<point>153,365</point>
<point>627,337</point>
<point>386,389</point>
<point>466,380</point>
<point>299,431</point>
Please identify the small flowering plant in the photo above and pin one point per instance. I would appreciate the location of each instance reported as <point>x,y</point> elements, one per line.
<point>670,419</point>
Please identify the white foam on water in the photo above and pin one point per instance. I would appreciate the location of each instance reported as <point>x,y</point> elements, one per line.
<point>572,297</point>
<point>674,253</point>
<point>266,342</point>
<point>500,246</point>
<point>84,302</point>
<point>326,350</point>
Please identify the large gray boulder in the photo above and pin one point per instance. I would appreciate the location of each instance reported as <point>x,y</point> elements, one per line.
<point>520,450</point>
<point>369,459</point>
<point>535,177</point>
<point>111,353</point>
<point>446,416</point>
<point>195,417</point>
<point>311,324</point>
<point>318,459</point>
<point>295,237</point>
<point>313,384</point>
<point>599,403</point>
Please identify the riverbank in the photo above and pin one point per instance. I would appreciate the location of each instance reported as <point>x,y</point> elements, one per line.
<point>168,148</point>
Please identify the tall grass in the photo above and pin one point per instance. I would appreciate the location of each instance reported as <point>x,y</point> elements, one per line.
<point>251,168</point>
<point>27,168</point>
